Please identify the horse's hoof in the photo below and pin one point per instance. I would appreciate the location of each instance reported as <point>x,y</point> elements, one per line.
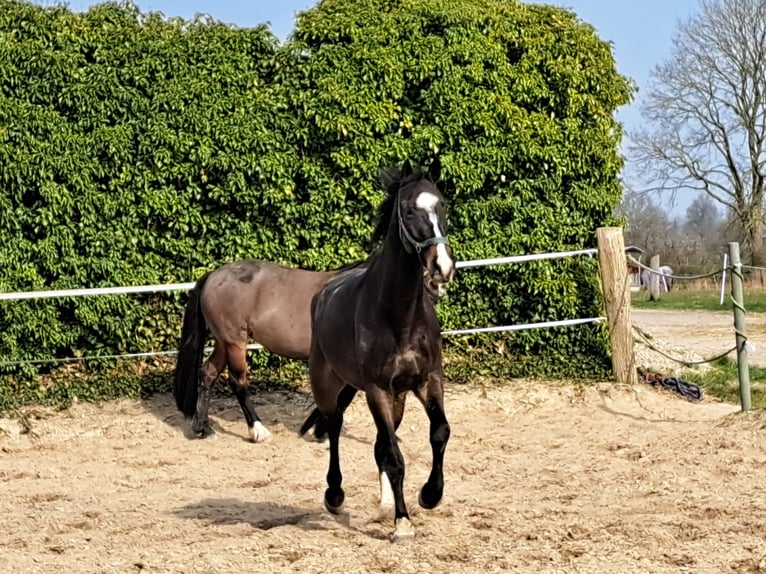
<point>404,531</point>
<point>334,502</point>
<point>259,433</point>
<point>429,498</point>
<point>201,429</point>
<point>203,432</point>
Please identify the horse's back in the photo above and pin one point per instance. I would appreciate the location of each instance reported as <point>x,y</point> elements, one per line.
<point>265,301</point>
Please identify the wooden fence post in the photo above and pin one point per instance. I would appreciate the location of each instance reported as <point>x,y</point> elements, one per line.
<point>615,285</point>
<point>738,302</point>
<point>655,286</point>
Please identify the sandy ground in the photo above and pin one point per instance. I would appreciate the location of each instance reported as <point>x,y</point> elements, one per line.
<point>540,478</point>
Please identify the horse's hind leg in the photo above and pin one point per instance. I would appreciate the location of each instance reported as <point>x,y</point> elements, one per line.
<point>399,402</point>
<point>432,397</point>
<point>390,460</point>
<point>238,383</point>
<point>210,371</point>
<point>345,397</point>
<point>327,388</point>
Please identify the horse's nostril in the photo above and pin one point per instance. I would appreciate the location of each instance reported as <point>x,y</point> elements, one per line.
<point>447,274</point>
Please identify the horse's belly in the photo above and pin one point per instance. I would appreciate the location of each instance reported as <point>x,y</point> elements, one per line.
<point>286,336</point>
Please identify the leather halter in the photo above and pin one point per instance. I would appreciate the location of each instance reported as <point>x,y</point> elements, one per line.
<point>408,240</point>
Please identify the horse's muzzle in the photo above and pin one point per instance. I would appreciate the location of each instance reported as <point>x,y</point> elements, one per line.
<point>440,270</point>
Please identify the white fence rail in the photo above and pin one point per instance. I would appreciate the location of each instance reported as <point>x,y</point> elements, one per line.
<point>25,295</point>
<point>188,286</point>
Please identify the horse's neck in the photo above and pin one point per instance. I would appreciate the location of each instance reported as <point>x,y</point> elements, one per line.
<point>399,279</point>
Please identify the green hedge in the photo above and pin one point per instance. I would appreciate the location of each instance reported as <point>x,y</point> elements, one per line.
<point>136,149</point>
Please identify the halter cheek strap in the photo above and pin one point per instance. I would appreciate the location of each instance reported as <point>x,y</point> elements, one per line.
<point>409,241</point>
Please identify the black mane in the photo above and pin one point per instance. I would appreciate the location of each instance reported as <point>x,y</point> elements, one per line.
<point>391,180</point>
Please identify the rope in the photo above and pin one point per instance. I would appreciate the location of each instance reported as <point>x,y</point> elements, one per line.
<point>740,336</point>
<point>187,286</point>
<point>753,267</point>
<point>644,339</point>
<point>542,325</point>
<point>96,291</point>
<point>680,277</point>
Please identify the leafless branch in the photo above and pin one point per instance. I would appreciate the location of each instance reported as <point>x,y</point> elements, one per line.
<point>706,112</point>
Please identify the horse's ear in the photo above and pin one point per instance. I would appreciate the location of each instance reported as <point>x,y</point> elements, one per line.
<point>407,168</point>
<point>435,170</point>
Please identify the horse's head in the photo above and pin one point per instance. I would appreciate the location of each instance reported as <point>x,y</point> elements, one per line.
<point>422,222</point>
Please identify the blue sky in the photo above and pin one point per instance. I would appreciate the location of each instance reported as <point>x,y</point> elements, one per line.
<point>641,32</point>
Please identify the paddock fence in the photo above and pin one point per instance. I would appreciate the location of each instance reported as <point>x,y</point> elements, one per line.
<point>733,268</point>
<point>615,282</point>
<point>610,255</point>
<point>477,263</point>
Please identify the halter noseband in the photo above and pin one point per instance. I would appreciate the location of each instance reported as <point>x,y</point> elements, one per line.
<point>408,240</point>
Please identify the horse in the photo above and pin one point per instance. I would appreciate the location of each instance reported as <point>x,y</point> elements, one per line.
<point>243,300</point>
<point>665,274</point>
<point>375,330</point>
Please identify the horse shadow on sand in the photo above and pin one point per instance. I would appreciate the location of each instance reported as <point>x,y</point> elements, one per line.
<point>278,404</point>
<point>259,515</point>
<point>267,515</point>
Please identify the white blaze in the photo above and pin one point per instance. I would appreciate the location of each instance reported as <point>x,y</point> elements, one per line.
<point>427,201</point>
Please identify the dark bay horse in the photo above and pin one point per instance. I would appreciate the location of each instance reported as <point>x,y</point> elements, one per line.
<point>374,329</point>
<point>237,302</point>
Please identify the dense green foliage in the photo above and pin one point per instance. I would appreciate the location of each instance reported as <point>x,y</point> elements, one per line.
<point>518,102</point>
<point>137,150</point>
<point>133,150</point>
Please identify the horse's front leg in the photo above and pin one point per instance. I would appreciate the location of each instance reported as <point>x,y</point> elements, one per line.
<point>390,462</point>
<point>432,397</point>
<point>386,492</point>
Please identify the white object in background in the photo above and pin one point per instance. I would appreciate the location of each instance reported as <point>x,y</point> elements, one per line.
<point>723,279</point>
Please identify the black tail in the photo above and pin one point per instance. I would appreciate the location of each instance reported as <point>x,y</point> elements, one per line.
<point>193,336</point>
<point>314,419</point>
<point>319,421</point>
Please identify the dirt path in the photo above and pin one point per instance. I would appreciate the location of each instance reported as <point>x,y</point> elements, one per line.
<point>706,333</point>
<point>541,478</point>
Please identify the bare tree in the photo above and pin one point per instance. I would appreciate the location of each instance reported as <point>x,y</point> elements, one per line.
<point>649,226</point>
<point>691,245</point>
<point>704,224</point>
<point>703,236</point>
<point>706,109</point>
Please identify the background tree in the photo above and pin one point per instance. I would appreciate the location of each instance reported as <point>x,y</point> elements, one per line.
<point>704,236</point>
<point>706,108</point>
<point>693,244</point>
<point>648,225</point>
